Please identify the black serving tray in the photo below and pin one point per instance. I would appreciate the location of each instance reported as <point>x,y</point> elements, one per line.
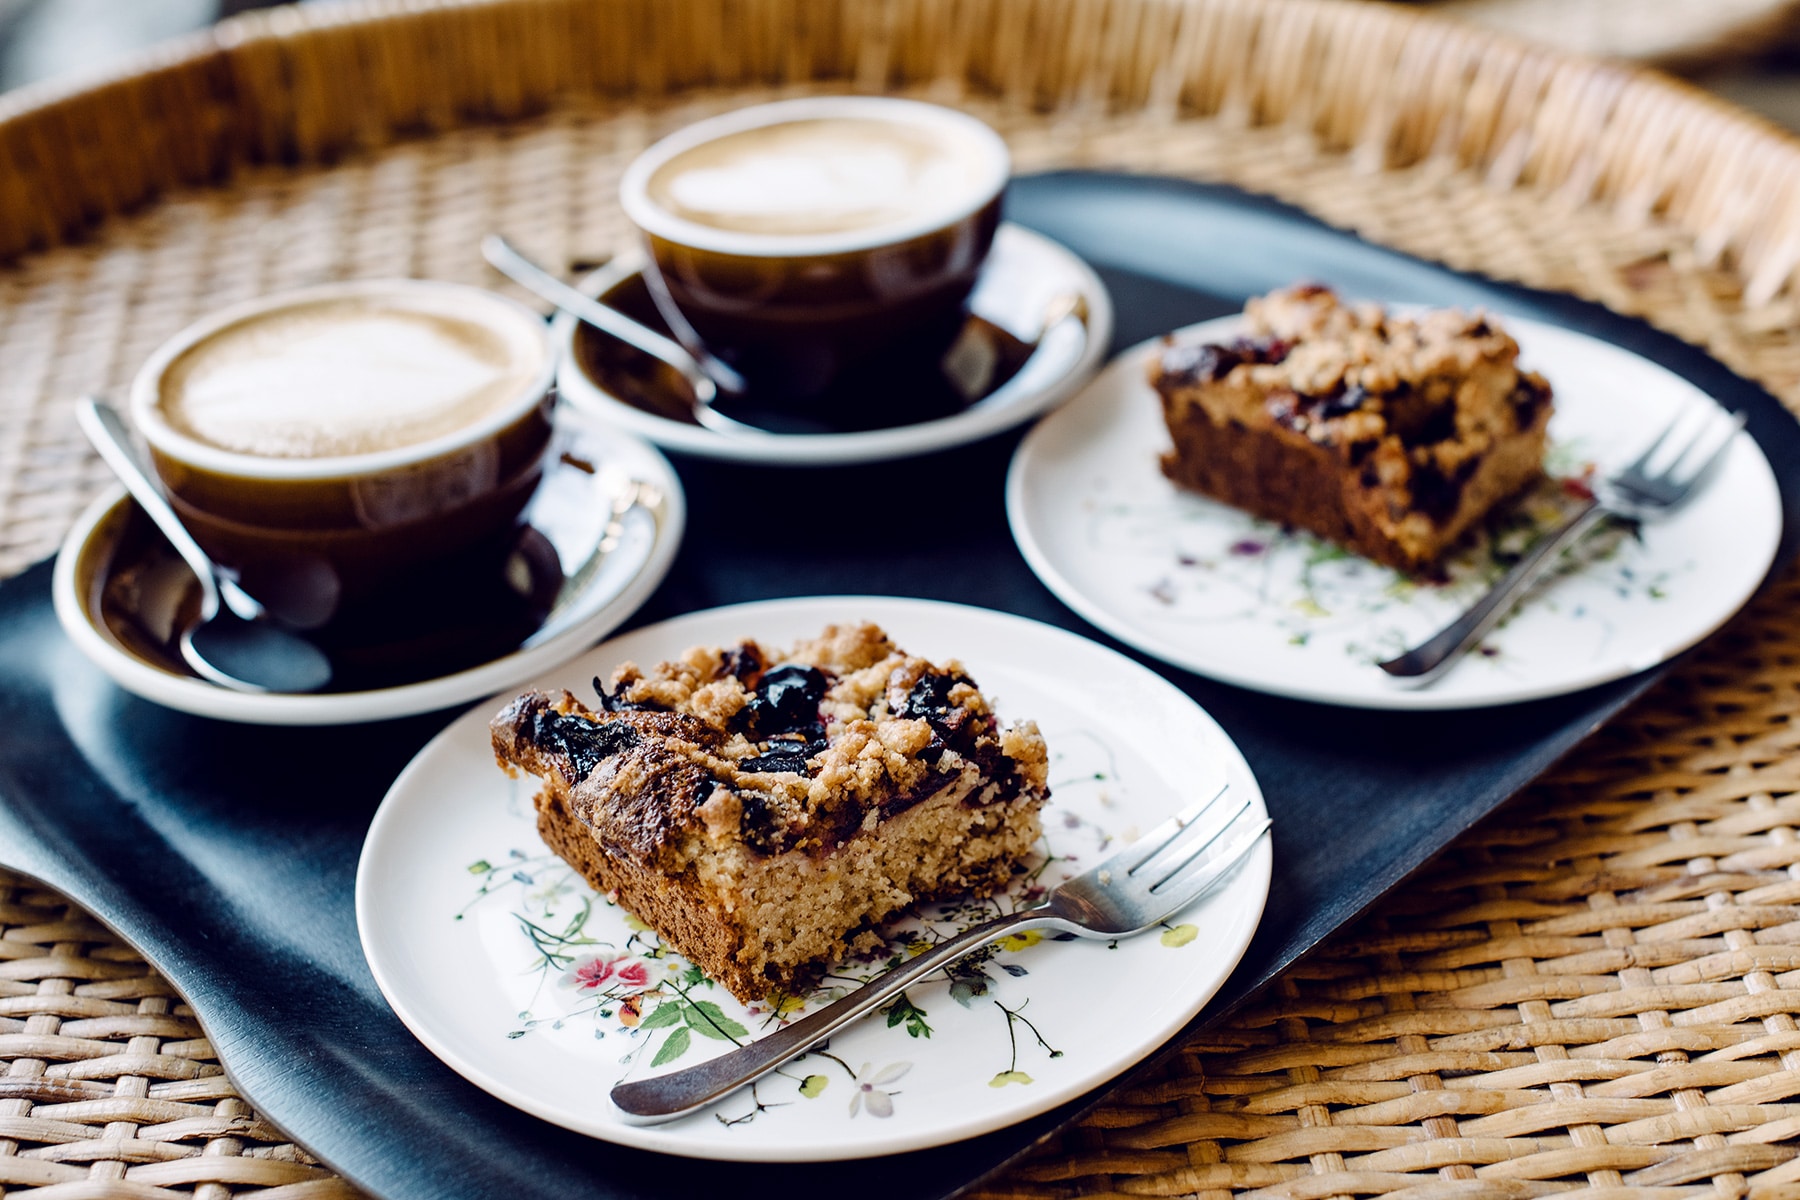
<point>227,853</point>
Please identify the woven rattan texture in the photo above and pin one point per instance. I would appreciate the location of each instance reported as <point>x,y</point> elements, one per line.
<point>110,1089</point>
<point>80,318</point>
<point>1675,33</point>
<point>1596,990</point>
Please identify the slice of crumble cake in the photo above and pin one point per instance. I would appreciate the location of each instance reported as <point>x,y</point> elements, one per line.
<point>763,812</point>
<point>1389,434</point>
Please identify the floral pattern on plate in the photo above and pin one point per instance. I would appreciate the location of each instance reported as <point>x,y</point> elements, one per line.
<point>1204,562</point>
<point>594,968</point>
<point>546,994</point>
<point>1210,588</point>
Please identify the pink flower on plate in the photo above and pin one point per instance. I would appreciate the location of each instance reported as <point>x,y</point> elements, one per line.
<point>604,973</point>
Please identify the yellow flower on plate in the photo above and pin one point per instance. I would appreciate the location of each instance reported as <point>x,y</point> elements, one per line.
<point>1019,941</point>
<point>783,1004</point>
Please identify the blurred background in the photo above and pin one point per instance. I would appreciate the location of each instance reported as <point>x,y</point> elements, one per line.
<point>1745,50</point>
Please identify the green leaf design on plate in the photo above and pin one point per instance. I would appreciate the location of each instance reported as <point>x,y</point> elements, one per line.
<point>812,1085</point>
<point>1006,1077</point>
<point>666,1013</point>
<point>901,1009</point>
<point>1179,935</point>
<point>480,866</point>
<point>674,1048</point>
<point>710,1019</point>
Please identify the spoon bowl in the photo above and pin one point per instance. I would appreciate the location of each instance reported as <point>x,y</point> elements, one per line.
<point>253,656</point>
<point>237,645</point>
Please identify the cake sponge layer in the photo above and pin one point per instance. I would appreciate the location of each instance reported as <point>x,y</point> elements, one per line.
<point>763,812</point>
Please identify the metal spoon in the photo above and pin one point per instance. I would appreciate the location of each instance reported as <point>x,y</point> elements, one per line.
<point>974,358</point>
<point>235,643</point>
<point>706,375</point>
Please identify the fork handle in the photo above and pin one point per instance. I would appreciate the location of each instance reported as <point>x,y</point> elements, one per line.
<point>1427,661</point>
<point>650,1101</point>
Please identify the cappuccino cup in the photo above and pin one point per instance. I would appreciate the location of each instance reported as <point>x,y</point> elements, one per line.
<point>348,433</point>
<point>801,240</point>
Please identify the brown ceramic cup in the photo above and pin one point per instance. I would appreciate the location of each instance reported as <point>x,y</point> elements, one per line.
<point>306,434</point>
<point>801,240</point>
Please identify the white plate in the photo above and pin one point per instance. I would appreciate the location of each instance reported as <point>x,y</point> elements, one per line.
<point>571,509</point>
<point>458,967</point>
<point>1214,590</point>
<point>1025,272</point>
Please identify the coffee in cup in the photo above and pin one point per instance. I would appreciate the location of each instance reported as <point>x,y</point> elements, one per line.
<point>363,428</point>
<point>343,376</point>
<point>800,240</point>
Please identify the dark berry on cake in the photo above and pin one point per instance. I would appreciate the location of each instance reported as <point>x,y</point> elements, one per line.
<point>1390,434</point>
<point>764,812</point>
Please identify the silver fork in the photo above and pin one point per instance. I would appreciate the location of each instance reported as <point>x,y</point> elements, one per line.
<point>1635,493</point>
<point>1142,885</point>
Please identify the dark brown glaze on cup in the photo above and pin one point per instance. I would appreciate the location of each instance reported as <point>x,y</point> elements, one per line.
<point>793,324</point>
<point>373,528</point>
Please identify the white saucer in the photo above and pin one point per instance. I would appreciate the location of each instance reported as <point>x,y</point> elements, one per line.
<point>453,867</point>
<point>1024,274</point>
<point>1214,590</point>
<point>571,509</point>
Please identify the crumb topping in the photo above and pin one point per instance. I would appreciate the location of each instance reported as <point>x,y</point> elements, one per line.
<point>1334,346</point>
<point>1413,401</point>
<point>781,749</point>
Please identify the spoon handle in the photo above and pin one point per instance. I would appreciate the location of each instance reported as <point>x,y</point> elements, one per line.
<point>710,374</point>
<point>106,431</point>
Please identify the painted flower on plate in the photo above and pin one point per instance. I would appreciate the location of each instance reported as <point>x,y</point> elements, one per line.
<point>1022,940</point>
<point>870,1093</point>
<point>622,972</point>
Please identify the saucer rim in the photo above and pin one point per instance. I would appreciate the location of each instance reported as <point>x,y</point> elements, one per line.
<point>841,449</point>
<point>199,698</point>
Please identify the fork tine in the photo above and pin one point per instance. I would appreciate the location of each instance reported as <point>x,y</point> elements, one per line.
<point>1182,889</point>
<point>1712,456</point>
<point>1133,857</point>
<point>1642,463</point>
<point>1184,850</point>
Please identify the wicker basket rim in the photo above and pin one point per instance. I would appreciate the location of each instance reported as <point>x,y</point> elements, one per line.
<point>1395,86</point>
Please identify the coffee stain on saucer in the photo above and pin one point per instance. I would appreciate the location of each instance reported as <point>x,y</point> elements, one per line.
<point>894,390</point>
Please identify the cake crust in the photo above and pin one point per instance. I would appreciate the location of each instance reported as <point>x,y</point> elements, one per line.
<point>1391,435</point>
<point>765,811</point>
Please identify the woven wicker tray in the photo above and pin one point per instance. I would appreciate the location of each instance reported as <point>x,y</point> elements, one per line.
<point>1593,992</point>
<point>1676,33</point>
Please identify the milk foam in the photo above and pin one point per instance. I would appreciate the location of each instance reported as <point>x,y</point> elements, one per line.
<point>826,175</point>
<point>341,377</point>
